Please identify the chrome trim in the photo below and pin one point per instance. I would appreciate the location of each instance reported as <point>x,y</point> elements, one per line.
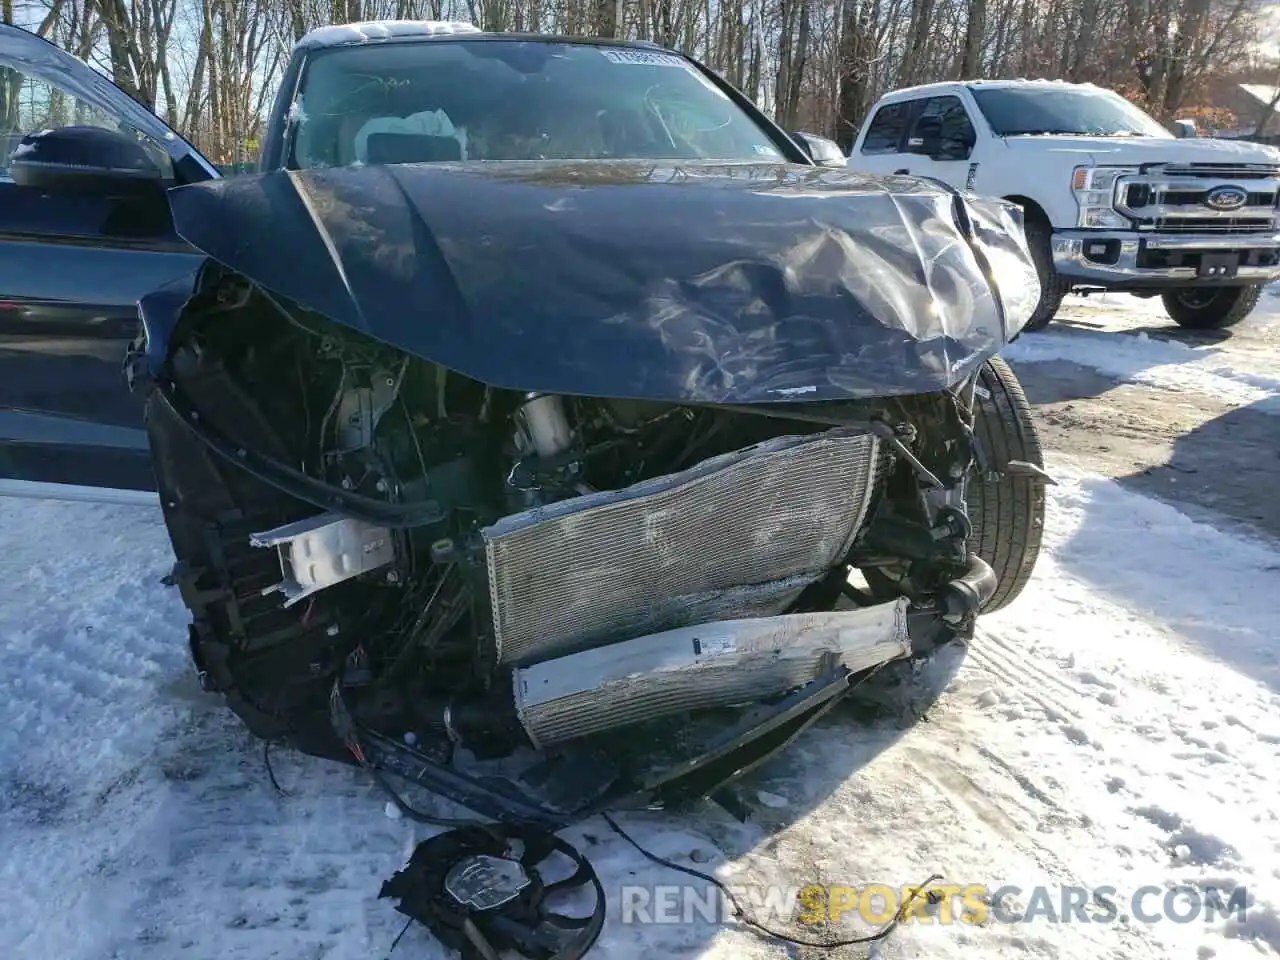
<point>1223,171</point>
<point>1204,183</point>
<point>1069,259</point>
<point>1245,241</point>
<point>1190,226</point>
<point>1158,214</point>
<point>1171,211</point>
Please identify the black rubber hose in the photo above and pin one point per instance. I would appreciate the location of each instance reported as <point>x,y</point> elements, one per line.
<point>968,593</point>
<point>293,482</point>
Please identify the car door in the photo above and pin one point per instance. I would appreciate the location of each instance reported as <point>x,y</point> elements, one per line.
<point>880,148</point>
<point>72,269</point>
<point>948,158</point>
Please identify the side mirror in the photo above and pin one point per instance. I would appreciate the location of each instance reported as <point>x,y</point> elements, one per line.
<point>926,139</point>
<point>84,160</point>
<point>824,152</point>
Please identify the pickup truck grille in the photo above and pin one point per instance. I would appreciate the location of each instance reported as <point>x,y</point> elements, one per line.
<point>1195,198</point>
<point>1214,225</point>
<point>1223,171</point>
<point>1175,198</point>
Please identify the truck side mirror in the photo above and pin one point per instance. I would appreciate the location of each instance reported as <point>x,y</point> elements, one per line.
<point>926,139</point>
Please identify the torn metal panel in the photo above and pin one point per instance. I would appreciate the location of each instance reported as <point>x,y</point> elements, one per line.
<point>719,664</point>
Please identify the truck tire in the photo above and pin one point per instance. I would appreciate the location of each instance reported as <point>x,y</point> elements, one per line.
<point>1210,308</point>
<point>1052,288</point>
<point>1007,513</point>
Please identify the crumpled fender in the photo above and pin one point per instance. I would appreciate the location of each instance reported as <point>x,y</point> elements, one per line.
<point>158,315</point>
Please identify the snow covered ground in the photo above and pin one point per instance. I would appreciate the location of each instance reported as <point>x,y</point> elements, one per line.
<point>1118,726</point>
<point>1207,367</point>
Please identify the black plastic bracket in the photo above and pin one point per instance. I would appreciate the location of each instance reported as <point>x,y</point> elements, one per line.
<point>758,736</point>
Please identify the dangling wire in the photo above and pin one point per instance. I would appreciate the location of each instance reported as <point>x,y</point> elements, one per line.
<point>400,936</point>
<point>750,921</point>
<point>271,774</point>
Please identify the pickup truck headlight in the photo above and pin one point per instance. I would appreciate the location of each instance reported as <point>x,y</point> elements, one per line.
<point>1095,190</point>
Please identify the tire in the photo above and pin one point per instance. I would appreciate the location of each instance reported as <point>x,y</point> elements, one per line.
<point>1210,308</point>
<point>1007,514</point>
<point>1052,288</point>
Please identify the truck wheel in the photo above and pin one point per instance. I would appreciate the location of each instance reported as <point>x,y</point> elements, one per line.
<point>1210,308</point>
<point>1052,288</point>
<point>1007,514</point>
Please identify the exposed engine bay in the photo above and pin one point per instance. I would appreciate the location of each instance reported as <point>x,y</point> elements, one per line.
<point>494,485</point>
<point>369,541</point>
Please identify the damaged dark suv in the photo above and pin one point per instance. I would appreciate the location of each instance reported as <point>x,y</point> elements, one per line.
<point>542,403</point>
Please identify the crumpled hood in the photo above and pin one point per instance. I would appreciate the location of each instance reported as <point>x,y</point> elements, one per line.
<point>1135,151</point>
<point>700,282</point>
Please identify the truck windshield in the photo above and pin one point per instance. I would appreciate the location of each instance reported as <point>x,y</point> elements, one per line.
<point>1022,111</point>
<point>483,99</point>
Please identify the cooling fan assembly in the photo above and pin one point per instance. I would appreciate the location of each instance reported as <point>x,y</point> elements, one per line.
<point>481,890</point>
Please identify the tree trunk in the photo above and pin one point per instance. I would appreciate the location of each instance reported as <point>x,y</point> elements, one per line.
<point>10,85</point>
<point>795,79</point>
<point>1086,33</point>
<point>975,27</point>
<point>1191,24</point>
<point>607,16</point>
<point>918,36</point>
<point>782,79</point>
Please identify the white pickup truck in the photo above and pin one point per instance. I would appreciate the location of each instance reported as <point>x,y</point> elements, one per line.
<point>1112,200</point>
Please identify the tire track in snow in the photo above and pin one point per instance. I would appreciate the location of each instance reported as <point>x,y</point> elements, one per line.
<point>1130,798</point>
<point>1161,686</point>
<point>1163,364</point>
<point>86,634</point>
<point>1030,679</point>
<point>1046,671</point>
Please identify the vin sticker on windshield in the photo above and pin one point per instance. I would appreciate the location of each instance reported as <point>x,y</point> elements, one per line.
<point>644,58</point>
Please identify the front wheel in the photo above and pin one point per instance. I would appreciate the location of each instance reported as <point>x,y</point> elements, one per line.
<point>1007,513</point>
<point>1210,308</point>
<point>1052,287</point>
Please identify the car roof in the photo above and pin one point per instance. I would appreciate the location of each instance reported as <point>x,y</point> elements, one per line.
<point>343,33</point>
<point>955,86</point>
<point>373,31</point>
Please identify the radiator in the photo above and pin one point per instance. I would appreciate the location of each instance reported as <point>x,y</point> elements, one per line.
<point>737,536</point>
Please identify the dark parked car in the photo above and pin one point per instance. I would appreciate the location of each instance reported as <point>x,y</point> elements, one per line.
<point>73,265</point>
<point>534,390</point>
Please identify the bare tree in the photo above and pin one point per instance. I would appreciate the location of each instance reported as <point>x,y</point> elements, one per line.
<point>975,27</point>
<point>210,66</point>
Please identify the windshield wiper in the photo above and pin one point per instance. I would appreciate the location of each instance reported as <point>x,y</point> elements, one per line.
<point>1047,132</point>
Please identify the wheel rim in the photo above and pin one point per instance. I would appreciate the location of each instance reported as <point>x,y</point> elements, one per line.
<point>1197,298</point>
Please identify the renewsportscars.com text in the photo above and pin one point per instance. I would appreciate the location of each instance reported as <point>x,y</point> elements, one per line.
<point>877,904</point>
